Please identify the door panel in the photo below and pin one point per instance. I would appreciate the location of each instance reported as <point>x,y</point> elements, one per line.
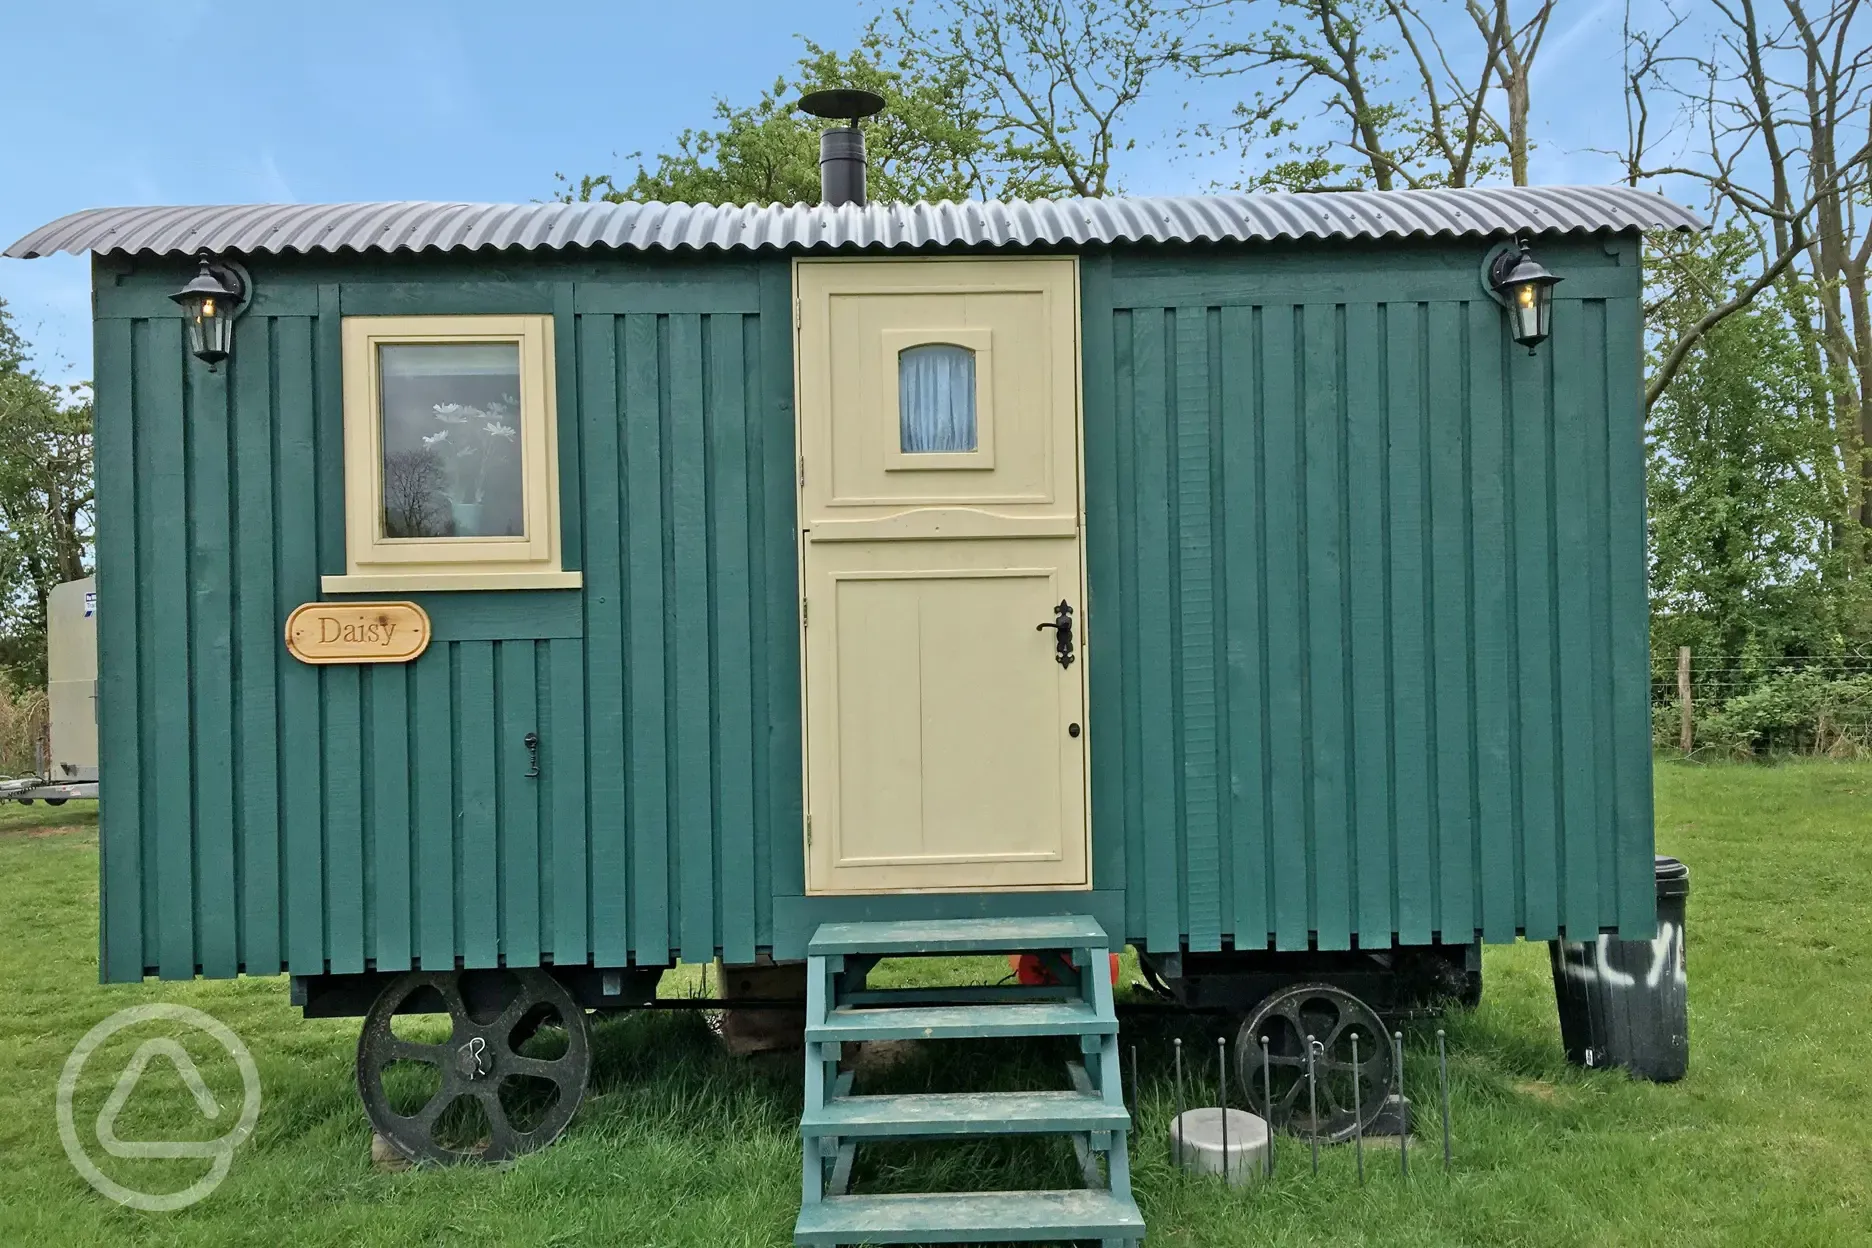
<point>1018,318</point>
<point>945,745</point>
<point>939,741</point>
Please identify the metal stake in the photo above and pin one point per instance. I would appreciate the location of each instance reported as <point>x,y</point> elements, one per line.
<point>1358,1114</point>
<point>1222,1098</point>
<point>1176,1127</point>
<point>1442,1054</point>
<point>1267,1102</point>
<point>1312,1105</point>
<point>1403,1151</point>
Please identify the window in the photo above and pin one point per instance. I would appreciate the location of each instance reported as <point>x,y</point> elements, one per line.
<point>451,459</point>
<point>944,388</point>
<point>936,399</point>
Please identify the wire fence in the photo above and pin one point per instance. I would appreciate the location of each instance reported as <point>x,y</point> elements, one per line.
<point>1806,704</point>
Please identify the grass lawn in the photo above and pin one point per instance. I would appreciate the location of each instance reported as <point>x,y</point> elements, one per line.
<point>1767,1142</point>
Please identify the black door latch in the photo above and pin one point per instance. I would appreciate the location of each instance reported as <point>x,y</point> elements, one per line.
<point>1061,623</point>
<point>531,741</point>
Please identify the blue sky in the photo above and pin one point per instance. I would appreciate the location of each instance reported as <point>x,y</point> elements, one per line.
<point>474,100</point>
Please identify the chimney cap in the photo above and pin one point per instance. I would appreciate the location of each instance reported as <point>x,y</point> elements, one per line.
<point>842,104</point>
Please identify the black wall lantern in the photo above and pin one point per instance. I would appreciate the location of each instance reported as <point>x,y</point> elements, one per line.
<point>1522,284</point>
<point>210,302</point>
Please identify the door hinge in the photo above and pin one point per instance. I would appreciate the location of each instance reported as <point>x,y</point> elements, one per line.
<point>808,830</point>
<point>802,470</point>
<point>796,314</point>
<point>802,613</point>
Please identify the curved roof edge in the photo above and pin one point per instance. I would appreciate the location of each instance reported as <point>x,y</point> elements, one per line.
<point>413,226</point>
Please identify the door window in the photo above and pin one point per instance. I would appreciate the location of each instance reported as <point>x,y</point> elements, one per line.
<point>936,399</point>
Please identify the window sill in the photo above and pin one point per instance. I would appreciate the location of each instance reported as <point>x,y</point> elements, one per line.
<point>430,582</point>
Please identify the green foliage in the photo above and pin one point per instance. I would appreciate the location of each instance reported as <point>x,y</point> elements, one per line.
<point>45,503</point>
<point>1797,711</point>
<point>1753,552</point>
<point>984,99</point>
<point>22,727</point>
<point>929,143</point>
<point>1051,81</point>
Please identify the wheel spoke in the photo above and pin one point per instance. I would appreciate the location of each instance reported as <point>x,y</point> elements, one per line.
<point>1289,1009</point>
<point>448,987</point>
<point>503,1140</point>
<point>426,1117</point>
<point>516,1009</point>
<point>396,1049</point>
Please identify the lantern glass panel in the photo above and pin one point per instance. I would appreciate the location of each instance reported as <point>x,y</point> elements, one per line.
<point>1529,301</point>
<point>214,326</point>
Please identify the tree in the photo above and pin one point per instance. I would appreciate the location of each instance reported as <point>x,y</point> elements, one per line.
<point>46,501</point>
<point>1369,93</point>
<point>984,99</point>
<point>1773,116</point>
<point>1744,475</point>
<point>928,144</point>
<point>1049,81</point>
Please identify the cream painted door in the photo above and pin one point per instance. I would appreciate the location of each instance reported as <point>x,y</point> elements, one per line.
<point>940,516</point>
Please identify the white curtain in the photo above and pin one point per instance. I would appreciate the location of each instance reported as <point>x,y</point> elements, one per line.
<point>936,398</point>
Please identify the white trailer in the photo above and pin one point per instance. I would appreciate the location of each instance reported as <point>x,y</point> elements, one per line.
<point>68,759</point>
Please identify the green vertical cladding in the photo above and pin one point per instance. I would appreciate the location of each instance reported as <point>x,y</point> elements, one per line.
<point>1379,575</point>
<point>1366,620</point>
<point>261,815</point>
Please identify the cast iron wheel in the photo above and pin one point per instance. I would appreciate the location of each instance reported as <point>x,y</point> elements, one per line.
<point>486,1099</point>
<point>1332,1016</point>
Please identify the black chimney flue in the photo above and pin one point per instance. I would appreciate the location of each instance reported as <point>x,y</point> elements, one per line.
<point>842,148</point>
<point>842,166</point>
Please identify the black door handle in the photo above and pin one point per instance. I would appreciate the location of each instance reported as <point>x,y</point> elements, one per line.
<point>1061,624</point>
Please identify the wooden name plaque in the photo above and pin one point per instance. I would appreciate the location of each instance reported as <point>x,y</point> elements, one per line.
<point>357,632</point>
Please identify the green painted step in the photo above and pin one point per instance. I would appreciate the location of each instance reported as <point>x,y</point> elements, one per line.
<point>897,937</point>
<point>968,1217</point>
<point>962,1022</point>
<point>964,1113</point>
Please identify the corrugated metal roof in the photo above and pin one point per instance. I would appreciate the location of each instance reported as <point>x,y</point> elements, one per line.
<point>260,228</point>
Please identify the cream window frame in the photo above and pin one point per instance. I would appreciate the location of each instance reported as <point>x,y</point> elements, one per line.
<point>374,562</point>
<point>978,342</point>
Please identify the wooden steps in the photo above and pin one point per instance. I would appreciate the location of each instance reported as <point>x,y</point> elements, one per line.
<point>970,1217</point>
<point>930,936</point>
<point>840,1008</point>
<point>964,1113</point>
<point>961,1022</point>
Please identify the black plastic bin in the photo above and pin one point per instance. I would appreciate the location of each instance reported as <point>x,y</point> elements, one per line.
<point>1626,1002</point>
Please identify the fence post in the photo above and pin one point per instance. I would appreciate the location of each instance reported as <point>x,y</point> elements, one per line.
<point>1686,728</point>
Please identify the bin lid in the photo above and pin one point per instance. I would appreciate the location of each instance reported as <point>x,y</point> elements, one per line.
<point>1673,878</point>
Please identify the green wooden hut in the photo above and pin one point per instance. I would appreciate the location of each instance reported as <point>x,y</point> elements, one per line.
<point>1216,575</point>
